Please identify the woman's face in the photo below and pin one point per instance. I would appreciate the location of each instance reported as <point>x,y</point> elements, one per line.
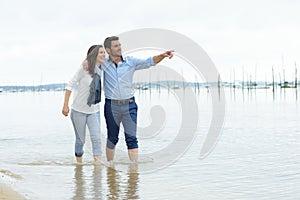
<point>101,55</point>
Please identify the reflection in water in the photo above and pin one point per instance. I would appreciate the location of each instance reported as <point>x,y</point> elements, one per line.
<point>132,182</point>
<point>123,187</point>
<point>97,182</point>
<point>118,185</point>
<point>79,183</point>
<point>113,182</point>
<point>85,189</point>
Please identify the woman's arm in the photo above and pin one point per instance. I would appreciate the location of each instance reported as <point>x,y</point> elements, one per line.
<point>66,109</point>
<point>77,76</point>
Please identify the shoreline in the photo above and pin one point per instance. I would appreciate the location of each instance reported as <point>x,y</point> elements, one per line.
<point>7,193</point>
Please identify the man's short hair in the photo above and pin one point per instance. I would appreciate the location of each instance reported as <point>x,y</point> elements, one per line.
<point>107,41</point>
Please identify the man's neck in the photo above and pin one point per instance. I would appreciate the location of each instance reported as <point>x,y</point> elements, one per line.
<point>116,59</point>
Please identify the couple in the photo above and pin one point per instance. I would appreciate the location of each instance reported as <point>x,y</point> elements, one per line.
<point>120,106</point>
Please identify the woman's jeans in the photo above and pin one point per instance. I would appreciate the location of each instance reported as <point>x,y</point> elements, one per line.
<point>92,121</point>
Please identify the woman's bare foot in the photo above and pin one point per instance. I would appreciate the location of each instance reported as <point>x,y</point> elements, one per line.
<point>97,160</point>
<point>79,160</point>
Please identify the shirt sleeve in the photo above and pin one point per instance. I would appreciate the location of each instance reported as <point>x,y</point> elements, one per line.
<point>75,79</point>
<point>142,63</point>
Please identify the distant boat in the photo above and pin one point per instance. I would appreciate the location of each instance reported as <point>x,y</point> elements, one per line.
<point>1,89</point>
<point>206,85</point>
<point>262,87</point>
<point>137,87</point>
<point>175,87</point>
<point>237,85</point>
<point>58,89</point>
<point>286,85</point>
<point>145,87</point>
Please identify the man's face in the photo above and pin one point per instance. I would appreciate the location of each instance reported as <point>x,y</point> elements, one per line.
<point>115,50</point>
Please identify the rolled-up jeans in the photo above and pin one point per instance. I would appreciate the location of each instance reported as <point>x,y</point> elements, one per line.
<point>92,121</point>
<point>117,112</point>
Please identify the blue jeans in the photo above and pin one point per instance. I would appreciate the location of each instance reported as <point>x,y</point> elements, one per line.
<point>80,121</point>
<point>117,113</point>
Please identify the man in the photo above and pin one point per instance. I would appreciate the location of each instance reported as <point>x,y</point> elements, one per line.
<point>120,106</point>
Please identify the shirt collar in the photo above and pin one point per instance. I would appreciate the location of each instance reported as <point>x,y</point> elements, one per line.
<point>122,59</point>
<point>116,64</point>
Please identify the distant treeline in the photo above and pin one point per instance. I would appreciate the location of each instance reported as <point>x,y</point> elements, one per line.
<point>158,85</point>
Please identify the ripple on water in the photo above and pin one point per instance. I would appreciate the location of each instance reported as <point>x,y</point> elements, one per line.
<point>10,174</point>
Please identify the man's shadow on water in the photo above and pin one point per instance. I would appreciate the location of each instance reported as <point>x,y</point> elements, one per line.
<point>118,184</point>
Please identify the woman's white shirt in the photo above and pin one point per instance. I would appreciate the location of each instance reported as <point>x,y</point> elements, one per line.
<point>82,79</point>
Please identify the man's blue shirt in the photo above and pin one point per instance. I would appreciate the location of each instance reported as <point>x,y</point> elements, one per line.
<point>118,80</point>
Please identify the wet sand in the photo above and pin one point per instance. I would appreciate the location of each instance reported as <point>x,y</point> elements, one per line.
<point>6,193</point>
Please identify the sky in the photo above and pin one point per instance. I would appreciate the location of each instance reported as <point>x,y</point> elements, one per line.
<point>45,41</point>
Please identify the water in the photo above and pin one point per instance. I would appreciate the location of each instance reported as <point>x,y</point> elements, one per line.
<point>257,156</point>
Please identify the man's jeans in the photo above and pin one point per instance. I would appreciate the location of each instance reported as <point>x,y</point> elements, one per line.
<point>117,112</point>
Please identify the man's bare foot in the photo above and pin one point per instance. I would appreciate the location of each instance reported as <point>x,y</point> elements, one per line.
<point>110,153</point>
<point>133,167</point>
<point>133,154</point>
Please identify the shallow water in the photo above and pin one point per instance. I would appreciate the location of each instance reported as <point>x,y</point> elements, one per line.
<point>256,157</point>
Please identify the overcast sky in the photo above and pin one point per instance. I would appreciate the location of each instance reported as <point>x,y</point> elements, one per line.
<point>45,41</point>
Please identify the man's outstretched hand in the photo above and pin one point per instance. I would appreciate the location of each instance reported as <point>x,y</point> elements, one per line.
<point>160,57</point>
<point>168,54</point>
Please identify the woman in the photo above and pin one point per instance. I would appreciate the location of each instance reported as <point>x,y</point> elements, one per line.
<point>82,114</point>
